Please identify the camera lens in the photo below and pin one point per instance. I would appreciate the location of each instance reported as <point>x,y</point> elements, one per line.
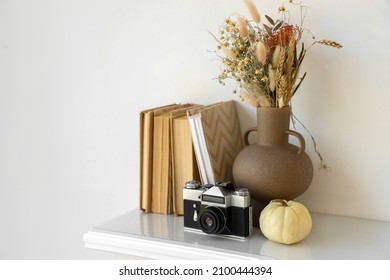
<point>212,220</point>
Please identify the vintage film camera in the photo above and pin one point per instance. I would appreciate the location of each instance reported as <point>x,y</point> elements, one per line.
<point>217,209</point>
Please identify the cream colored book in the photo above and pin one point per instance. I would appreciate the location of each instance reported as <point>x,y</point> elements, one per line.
<point>146,157</point>
<point>162,170</point>
<point>184,166</point>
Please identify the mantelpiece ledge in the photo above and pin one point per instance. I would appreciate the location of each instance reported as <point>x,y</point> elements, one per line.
<point>139,235</point>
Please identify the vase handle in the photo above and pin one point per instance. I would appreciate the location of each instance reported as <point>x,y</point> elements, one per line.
<point>300,138</point>
<point>246,135</point>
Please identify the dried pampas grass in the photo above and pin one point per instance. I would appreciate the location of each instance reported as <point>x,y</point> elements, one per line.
<point>253,10</point>
<point>275,57</point>
<point>229,53</point>
<point>261,52</point>
<point>248,98</point>
<point>263,58</point>
<point>242,27</point>
<point>271,77</point>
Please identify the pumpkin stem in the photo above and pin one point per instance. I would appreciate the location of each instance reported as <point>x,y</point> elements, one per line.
<point>281,201</point>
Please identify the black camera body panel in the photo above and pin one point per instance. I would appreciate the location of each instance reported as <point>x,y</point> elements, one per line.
<point>191,208</point>
<point>240,219</point>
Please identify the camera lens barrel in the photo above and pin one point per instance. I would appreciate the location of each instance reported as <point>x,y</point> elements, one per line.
<point>212,220</point>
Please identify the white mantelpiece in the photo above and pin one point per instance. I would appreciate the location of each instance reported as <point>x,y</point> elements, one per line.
<point>156,236</point>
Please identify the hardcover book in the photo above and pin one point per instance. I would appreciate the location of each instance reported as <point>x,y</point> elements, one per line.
<point>146,156</point>
<point>217,139</point>
<point>184,166</point>
<point>162,169</point>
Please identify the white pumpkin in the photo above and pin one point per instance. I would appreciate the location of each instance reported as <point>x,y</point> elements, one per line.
<point>286,222</point>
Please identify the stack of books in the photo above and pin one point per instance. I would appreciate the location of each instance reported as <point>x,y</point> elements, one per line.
<point>182,142</point>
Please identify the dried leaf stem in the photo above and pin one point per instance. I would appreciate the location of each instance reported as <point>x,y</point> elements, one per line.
<point>323,165</point>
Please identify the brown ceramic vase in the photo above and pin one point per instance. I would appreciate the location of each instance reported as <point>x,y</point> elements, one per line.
<point>273,168</point>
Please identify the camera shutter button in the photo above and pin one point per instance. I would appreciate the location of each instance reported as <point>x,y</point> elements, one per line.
<point>242,192</point>
<point>192,184</point>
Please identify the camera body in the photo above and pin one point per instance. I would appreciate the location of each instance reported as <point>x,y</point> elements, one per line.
<point>217,209</point>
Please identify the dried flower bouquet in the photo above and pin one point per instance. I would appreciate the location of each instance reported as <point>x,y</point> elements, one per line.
<point>264,58</point>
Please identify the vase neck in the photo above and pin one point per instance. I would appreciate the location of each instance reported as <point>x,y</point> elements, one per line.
<point>272,124</point>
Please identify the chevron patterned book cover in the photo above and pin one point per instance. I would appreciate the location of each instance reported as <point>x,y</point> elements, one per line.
<point>219,130</point>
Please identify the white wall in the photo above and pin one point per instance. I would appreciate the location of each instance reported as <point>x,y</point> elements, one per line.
<point>75,74</point>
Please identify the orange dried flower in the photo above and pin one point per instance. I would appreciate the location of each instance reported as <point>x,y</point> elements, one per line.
<point>283,35</point>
